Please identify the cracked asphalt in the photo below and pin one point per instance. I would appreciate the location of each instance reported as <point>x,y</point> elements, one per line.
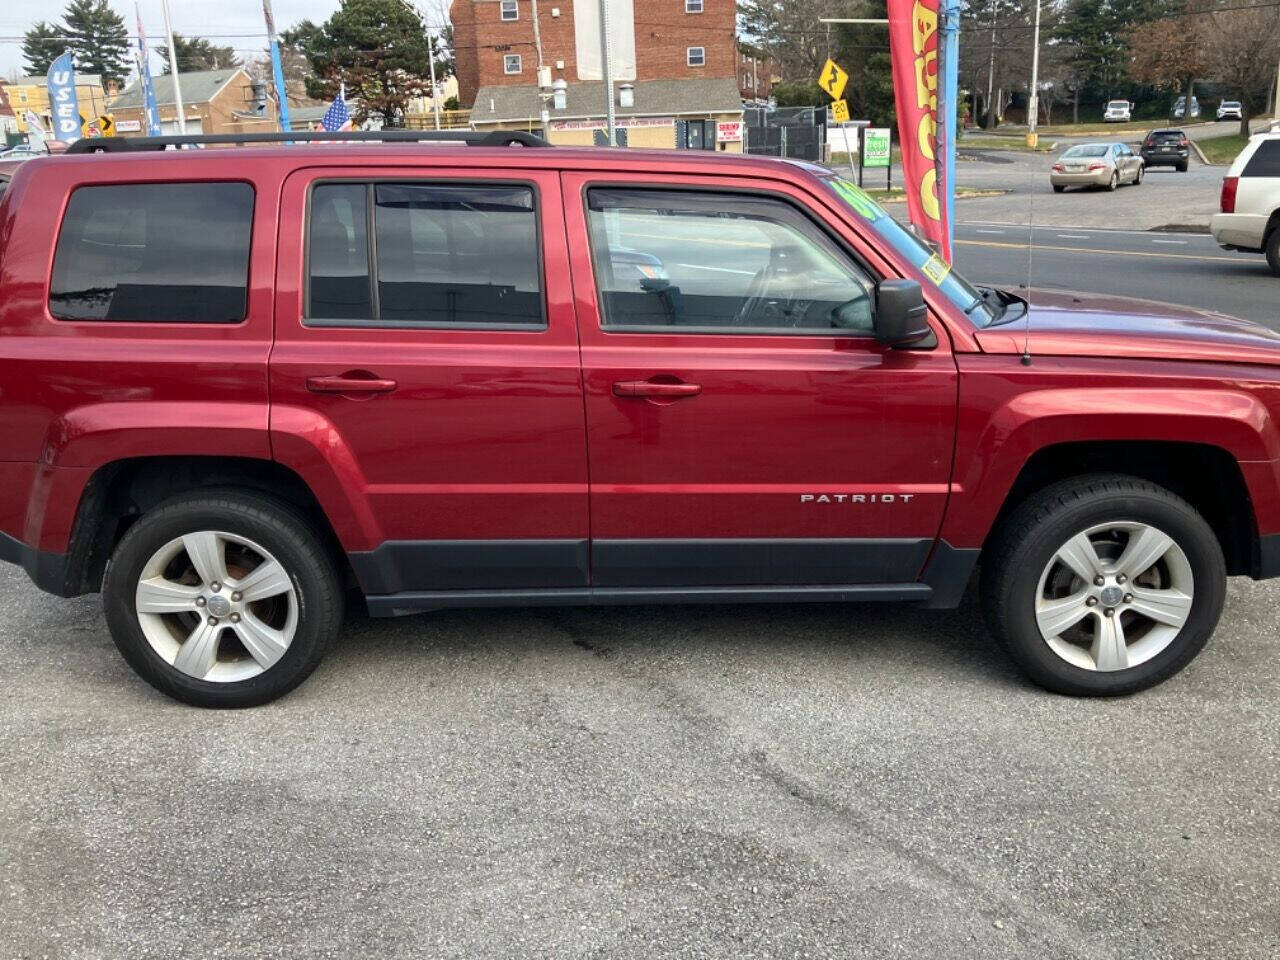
<point>757,781</point>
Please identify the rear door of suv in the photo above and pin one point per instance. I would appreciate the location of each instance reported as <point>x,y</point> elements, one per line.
<point>425,376</point>
<point>744,426</point>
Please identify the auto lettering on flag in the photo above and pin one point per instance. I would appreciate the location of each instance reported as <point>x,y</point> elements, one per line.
<point>913,52</point>
<point>63,101</point>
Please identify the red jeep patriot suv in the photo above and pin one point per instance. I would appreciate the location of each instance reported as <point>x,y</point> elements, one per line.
<point>238,384</point>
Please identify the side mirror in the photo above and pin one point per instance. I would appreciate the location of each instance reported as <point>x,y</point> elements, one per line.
<point>900,313</point>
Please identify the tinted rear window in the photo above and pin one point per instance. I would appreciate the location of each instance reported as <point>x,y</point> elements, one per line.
<point>1265,161</point>
<point>159,252</point>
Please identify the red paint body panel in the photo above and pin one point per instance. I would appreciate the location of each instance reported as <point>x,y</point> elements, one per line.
<point>519,435</point>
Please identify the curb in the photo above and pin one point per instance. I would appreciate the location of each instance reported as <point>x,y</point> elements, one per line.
<point>1200,153</point>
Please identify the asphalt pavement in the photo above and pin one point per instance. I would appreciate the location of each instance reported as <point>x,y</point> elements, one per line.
<point>1179,268</point>
<point>754,781</point>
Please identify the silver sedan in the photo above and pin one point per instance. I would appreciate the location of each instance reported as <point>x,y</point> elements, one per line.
<point>1096,165</point>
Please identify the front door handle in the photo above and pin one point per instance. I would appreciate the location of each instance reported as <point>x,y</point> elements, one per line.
<point>354,382</point>
<point>647,388</point>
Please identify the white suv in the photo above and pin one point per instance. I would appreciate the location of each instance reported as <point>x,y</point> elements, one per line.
<point>1250,217</point>
<point>1118,111</point>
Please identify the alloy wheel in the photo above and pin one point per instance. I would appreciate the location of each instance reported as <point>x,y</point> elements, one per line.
<point>216,606</point>
<point>1114,596</point>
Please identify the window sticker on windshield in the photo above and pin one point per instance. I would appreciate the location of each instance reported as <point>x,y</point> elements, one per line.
<point>936,269</point>
<point>857,198</point>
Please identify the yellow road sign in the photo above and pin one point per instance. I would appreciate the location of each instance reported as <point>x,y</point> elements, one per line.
<point>840,111</point>
<point>832,79</point>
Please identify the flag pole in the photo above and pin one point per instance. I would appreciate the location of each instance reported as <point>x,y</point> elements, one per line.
<point>173,70</point>
<point>949,104</point>
<point>277,67</point>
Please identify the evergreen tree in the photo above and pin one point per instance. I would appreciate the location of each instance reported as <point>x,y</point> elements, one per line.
<point>198,53</point>
<point>98,38</point>
<point>41,45</point>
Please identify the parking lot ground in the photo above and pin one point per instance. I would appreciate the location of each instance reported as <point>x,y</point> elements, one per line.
<point>755,781</point>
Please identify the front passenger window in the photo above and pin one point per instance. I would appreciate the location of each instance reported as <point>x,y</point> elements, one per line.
<point>718,263</point>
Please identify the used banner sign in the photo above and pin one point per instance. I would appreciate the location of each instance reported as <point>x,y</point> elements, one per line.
<point>63,102</point>
<point>913,49</point>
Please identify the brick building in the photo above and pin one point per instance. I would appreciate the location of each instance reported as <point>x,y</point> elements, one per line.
<point>214,101</point>
<point>756,74</point>
<point>651,40</point>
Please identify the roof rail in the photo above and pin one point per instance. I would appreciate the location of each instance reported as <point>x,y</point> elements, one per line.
<point>472,138</point>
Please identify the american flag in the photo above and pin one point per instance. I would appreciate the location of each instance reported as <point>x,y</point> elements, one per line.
<point>337,117</point>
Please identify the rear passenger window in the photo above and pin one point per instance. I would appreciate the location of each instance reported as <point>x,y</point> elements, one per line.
<point>444,255</point>
<point>159,252</point>
<point>1265,161</point>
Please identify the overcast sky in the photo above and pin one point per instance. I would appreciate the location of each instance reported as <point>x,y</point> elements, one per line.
<point>238,23</point>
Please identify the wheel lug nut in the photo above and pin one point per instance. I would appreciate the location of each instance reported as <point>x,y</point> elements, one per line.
<point>200,601</point>
<point>1121,578</point>
<point>235,618</point>
<point>1091,602</point>
<point>213,621</point>
<point>237,596</point>
<point>1108,612</point>
<point>215,586</point>
<point>1128,598</point>
<point>1098,581</point>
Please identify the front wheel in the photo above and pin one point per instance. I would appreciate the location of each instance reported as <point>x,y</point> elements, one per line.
<point>1103,585</point>
<point>1137,177</point>
<point>1273,251</point>
<point>224,598</point>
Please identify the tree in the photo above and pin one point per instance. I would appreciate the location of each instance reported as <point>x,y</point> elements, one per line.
<point>378,48</point>
<point>1241,48</point>
<point>41,45</point>
<point>1167,53</point>
<point>98,38</point>
<point>198,53</point>
<point>789,31</point>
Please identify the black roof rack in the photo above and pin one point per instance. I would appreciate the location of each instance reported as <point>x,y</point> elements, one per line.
<point>472,138</point>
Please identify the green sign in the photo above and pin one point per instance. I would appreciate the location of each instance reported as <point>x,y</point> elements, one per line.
<point>875,147</point>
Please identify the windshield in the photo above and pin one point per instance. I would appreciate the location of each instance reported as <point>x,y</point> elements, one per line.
<point>954,287</point>
<point>1087,150</point>
<point>1119,104</point>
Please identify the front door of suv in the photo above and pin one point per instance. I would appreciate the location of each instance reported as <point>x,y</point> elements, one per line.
<point>744,427</point>
<point>425,379</point>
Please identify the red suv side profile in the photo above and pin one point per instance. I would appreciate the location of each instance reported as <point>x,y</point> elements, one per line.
<point>242,386</point>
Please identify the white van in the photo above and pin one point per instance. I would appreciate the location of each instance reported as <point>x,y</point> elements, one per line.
<point>1250,217</point>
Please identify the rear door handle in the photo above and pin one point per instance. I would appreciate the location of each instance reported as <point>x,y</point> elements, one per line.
<point>349,383</point>
<point>647,388</point>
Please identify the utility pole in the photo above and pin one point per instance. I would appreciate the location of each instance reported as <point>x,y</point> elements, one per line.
<point>431,66</point>
<point>543,91</point>
<point>991,72</point>
<point>1033,105</point>
<point>1275,106</point>
<point>606,68</point>
<point>173,71</point>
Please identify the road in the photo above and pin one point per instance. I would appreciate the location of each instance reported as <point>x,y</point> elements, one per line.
<point>1179,268</point>
<point>738,782</point>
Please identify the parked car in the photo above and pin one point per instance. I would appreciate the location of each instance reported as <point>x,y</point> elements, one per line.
<point>1250,207</point>
<point>1117,111</point>
<point>240,382</point>
<point>25,151</point>
<point>1230,110</point>
<point>1096,165</point>
<point>1166,148</point>
<point>1180,109</point>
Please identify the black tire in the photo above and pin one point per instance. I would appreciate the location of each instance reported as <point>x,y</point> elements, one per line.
<point>279,528</point>
<point>1182,167</point>
<point>1058,188</point>
<point>1114,182</point>
<point>1027,540</point>
<point>1137,177</point>
<point>1273,251</point>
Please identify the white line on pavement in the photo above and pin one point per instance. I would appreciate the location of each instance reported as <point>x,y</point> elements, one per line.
<point>1179,242</point>
<point>997,232</point>
<point>1073,236</point>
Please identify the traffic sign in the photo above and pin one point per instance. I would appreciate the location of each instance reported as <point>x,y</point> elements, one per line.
<point>833,79</point>
<point>840,111</point>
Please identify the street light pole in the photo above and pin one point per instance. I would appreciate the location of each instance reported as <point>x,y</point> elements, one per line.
<point>1033,106</point>
<point>173,71</point>
<point>431,66</point>
<point>606,69</point>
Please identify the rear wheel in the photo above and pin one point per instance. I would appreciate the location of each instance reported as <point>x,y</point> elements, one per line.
<point>1273,251</point>
<point>1104,585</point>
<point>1057,188</point>
<point>1182,167</point>
<point>222,598</point>
<point>1114,181</point>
